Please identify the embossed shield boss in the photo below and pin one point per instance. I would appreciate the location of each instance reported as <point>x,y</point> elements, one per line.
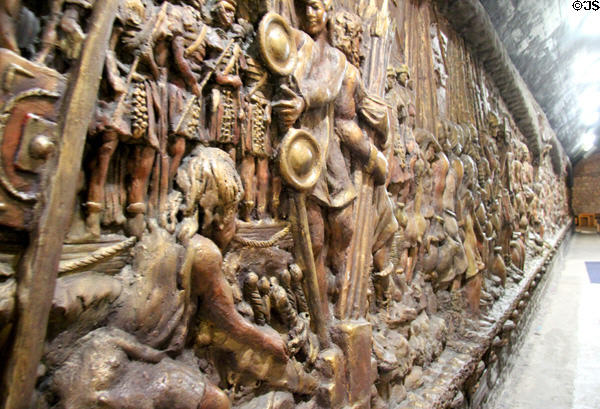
<point>277,44</point>
<point>300,159</point>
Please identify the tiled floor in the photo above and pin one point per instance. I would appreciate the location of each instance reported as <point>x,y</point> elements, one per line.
<point>558,365</point>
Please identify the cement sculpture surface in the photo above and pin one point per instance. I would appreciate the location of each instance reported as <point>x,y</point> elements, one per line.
<point>250,204</point>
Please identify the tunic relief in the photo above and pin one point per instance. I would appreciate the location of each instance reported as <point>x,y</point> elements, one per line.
<point>221,203</point>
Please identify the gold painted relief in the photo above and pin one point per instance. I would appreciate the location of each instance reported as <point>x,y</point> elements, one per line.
<point>256,204</point>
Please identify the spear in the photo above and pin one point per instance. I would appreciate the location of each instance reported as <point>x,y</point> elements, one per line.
<point>202,84</point>
<point>300,165</point>
<point>38,267</point>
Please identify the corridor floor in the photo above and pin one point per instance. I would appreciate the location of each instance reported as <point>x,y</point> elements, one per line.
<point>558,365</point>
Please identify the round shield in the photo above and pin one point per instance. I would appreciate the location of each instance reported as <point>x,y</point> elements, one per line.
<point>300,159</point>
<point>277,45</point>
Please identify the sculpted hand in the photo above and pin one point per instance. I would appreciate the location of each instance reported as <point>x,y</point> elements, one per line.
<point>380,169</point>
<point>273,344</point>
<point>119,86</point>
<point>288,109</point>
<point>231,80</point>
<point>196,90</point>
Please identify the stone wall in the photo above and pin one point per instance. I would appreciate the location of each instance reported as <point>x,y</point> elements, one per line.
<point>539,40</point>
<point>586,185</point>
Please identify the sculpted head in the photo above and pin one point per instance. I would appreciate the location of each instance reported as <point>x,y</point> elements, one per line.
<point>197,4</point>
<point>429,144</point>
<point>225,13</point>
<point>315,16</point>
<point>346,34</point>
<point>212,190</point>
<point>390,78</point>
<point>442,134</point>
<point>131,13</point>
<point>403,74</point>
<point>525,156</point>
<point>493,124</point>
<point>456,140</point>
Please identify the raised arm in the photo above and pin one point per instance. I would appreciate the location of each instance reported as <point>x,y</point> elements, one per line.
<point>183,66</point>
<point>349,131</point>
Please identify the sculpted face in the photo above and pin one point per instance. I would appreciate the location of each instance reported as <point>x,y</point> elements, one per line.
<point>403,78</point>
<point>316,17</point>
<point>390,78</point>
<point>225,228</point>
<point>225,14</point>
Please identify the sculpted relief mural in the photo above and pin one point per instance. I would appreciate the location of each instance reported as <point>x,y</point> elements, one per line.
<point>255,204</point>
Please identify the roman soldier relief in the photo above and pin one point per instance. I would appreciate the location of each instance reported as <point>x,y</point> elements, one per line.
<point>251,204</point>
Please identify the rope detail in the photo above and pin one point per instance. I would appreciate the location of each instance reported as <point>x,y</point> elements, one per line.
<point>98,255</point>
<point>263,243</point>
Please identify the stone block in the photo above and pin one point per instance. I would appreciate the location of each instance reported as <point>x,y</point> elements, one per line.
<point>355,340</point>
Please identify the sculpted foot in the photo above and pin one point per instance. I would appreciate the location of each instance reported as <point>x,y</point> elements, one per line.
<point>136,225</point>
<point>92,222</point>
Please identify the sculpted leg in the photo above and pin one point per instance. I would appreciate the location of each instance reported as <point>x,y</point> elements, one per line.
<point>247,176</point>
<point>473,292</point>
<point>340,235</point>
<point>176,150</point>
<point>262,181</point>
<point>143,160</point>
<point>141,167</point>
<point>410,262</point>
<point>99,170</point>
<point>316,225</point>
<point>276,193</point>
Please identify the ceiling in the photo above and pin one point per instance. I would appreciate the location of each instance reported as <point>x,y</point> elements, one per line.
<point>556,49</point>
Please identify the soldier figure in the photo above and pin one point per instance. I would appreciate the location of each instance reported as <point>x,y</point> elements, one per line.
<point>189,51</point>
<point>225,52</point>
<point>406,148</point>
<point>127,115</point>
<point>346,32</point>
<point>256,145</point>
<point>397,157</point>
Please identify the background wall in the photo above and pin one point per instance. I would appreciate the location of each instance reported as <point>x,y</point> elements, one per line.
<point>586,185</point>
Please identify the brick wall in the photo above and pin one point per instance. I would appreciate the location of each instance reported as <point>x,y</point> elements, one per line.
<point>586,185</point>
